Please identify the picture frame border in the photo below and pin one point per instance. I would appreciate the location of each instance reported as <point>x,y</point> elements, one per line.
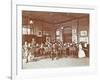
<point>14,71</point>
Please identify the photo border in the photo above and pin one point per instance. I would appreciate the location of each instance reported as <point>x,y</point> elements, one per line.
<point>14,70</point>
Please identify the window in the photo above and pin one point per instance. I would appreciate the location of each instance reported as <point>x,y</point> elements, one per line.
<point>57,33</point>
<point>84,39</point>
<point>83,36</point>
<point>83,33</point>
<point>58,38</point>
<point>74,35</point>
<point>26,31</point>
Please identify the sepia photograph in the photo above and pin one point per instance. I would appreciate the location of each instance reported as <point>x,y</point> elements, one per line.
<point>54,39</point>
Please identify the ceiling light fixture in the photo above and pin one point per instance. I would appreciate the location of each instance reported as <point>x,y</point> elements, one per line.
<point>31,22</point>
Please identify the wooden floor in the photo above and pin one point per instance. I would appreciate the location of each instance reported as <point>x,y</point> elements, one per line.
<point>62,62</point>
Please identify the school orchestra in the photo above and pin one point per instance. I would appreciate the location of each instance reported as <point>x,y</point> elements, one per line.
<point>53,50</point>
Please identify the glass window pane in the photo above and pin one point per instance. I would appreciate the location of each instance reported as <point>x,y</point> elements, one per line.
<point>84,39</point>
<point>57,32</point>
<point>28,30</point>
<point>24,30</point>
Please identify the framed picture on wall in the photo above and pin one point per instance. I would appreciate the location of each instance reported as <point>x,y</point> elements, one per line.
<point>58,52</point>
